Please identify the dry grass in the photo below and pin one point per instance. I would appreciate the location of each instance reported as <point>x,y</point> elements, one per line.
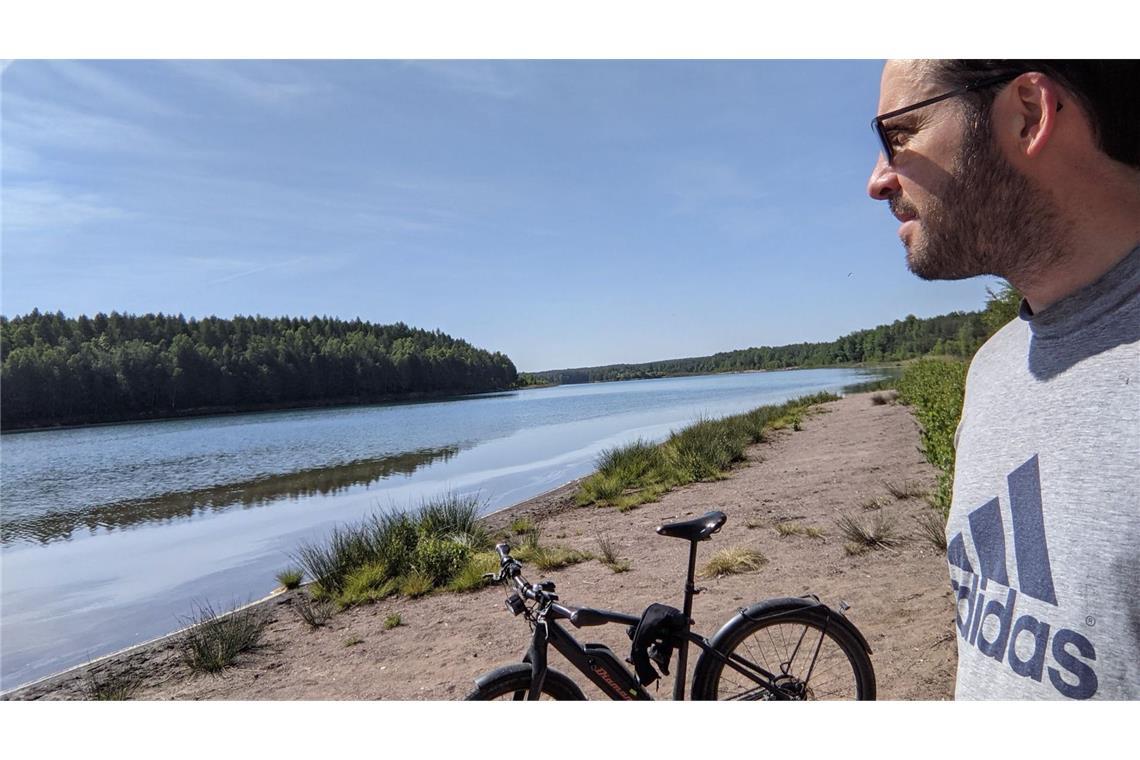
<point>932,527</point>
<point>609,555</point>
<point>736,559</point>
<point>874,532</point>
<point>907,489</point>
<point>786,529</point>
<point>111,684</point>
<point>874,502</point>
<point>315,612</point>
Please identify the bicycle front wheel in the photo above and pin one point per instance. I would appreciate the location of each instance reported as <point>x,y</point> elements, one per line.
<point>809,653</point>
<point>513,683</point>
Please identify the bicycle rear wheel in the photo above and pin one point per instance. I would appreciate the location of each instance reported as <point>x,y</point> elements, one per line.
<point>513,683</point>
<point>809,651</point>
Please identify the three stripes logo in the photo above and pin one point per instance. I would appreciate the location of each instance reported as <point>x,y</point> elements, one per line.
<point>1028,644</point>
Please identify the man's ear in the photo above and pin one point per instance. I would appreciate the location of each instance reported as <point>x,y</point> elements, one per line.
<point>1032,103</point>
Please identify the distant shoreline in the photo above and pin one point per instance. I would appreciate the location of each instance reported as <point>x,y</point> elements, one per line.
<point>228,411</point>
<point>393,400</point>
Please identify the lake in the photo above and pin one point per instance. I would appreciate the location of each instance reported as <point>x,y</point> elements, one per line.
<point>111,535</point>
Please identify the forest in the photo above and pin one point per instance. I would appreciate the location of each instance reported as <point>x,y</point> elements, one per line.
<point>957,334</point>
<point>59,370</point>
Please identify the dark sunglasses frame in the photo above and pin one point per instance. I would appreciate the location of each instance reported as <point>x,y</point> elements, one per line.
<point>880,129</point>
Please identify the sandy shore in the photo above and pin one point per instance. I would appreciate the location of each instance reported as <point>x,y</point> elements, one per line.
<point>900,597</point>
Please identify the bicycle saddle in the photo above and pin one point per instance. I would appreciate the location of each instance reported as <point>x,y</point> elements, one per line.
<point>697,529</point>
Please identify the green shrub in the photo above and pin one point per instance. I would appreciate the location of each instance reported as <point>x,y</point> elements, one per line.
<point>470,577</point>
<point>439,558</point>
<point>396,536</point>
<point>935,390</point>
<point>392,621</point>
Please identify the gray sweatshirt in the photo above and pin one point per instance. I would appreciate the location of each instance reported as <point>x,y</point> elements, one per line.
<point>1044,528</point>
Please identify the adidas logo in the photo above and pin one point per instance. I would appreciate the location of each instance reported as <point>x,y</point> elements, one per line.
<point>1028,645</point>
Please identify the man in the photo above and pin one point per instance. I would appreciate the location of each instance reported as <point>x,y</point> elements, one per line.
<point>1030,170</point>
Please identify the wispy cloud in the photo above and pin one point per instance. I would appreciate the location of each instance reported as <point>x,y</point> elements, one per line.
<point>261,83</point>
<point>220,269</point>
<point>43,207</point>
<point>487,78</point>
<point>98,85</point>
<point>36,122</point>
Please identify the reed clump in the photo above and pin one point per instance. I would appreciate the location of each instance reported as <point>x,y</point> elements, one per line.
<point>407,553</point>
<point>213,641</point>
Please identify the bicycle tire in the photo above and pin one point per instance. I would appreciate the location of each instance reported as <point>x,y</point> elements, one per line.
<point>514,683</point>
<point>791,643</point>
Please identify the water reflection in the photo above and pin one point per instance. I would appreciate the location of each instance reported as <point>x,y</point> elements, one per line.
<point>60,526</point>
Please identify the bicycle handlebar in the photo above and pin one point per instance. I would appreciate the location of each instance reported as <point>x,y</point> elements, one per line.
<point>510,569</point>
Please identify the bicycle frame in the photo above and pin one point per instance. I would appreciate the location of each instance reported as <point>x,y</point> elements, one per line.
<point>599,663</point>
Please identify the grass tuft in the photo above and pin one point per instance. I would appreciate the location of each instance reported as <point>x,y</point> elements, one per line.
<point>352,641</point>
<point>932,527</point>
<point>290,578</point>
<point>733,560</point>
<point>392,621</point>
<point>786,529</point>
<point>315,612</point>
<point>874,532</point>
<point>415,584</point>
<point>907,489</point>
<point>523,525</point>
<point>111,684</point>
<point>874,502</point>
<point>609,555</point>
<point>470,578</point>
<point>215,640</point>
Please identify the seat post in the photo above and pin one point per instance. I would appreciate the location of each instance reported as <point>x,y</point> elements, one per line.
<point>683,653</point>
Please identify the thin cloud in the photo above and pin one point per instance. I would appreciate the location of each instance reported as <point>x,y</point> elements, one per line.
<point>98,85</point>
<point>260,83</point>
<point>476,77</point>
<point>36,122</point>
<point>43,207</point>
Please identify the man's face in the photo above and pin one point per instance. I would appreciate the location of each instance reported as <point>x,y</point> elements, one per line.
<point>965,210</point>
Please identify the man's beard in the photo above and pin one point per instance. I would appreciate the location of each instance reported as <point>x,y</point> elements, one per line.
<point>987,219</point>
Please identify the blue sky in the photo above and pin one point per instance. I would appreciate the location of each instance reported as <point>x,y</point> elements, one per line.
<point>566,213</point>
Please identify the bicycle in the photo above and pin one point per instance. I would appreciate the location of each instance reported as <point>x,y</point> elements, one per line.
<point>806,650</point>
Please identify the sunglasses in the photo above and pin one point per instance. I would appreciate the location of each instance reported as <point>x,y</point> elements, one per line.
<point>881,131</point>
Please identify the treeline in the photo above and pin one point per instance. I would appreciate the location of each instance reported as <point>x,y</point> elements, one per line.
<point>60,370</point>
<point>956,334</point>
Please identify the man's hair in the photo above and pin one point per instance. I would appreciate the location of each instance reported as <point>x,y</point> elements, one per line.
<point>1107,91</point>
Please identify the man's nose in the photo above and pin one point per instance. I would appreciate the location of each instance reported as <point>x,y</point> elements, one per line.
<point>884,181</point>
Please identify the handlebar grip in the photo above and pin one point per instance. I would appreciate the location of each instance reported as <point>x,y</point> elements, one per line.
<point>504,551</point>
